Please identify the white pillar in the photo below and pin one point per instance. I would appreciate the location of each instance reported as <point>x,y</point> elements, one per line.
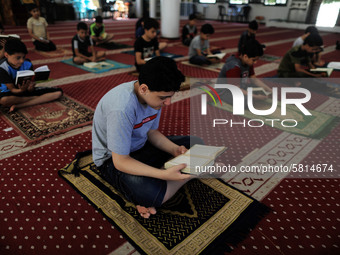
<point>139,8</point>
<point>170,10</point>
<point>152,9</point>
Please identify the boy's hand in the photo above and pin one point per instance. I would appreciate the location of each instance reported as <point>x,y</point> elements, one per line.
<point>260,97</point>
<point>31,86</point>
<point>174,173</point>
<point>179,150</point>
<point>93,58</point>
<point>24,86</point>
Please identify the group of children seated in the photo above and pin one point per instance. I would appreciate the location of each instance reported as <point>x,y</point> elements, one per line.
<point>305,52</point>
<point>125,136</point>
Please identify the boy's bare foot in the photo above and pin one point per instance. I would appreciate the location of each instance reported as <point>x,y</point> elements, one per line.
<point>146,212</point>
<point>12,108</point>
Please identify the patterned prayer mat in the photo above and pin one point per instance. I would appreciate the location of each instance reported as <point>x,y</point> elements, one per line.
<point>317,126</point>
<point>164,54</point>
<point>204,215</point>
<point>59,52</point>
<point>213,67</point>
<point>271,58</point>
<point>102,69</point>
<point>44,120</point>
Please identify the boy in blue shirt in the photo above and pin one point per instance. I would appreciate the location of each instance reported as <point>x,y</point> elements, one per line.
<point>21,95</point>
<point>127,147</point>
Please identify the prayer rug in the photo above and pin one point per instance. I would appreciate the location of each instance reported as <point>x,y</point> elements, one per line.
<point>213,67</point>
<point>113,46</point>
<point>204,215</point>
<point>102,69</point>
<point>59,52</point>
<point>164,54</point>
<point>317,126</point>
<point>45,120</point>
<point>271,58</point>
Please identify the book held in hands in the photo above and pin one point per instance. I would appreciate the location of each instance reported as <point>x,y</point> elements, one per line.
<point>198,156</point>
<point>260,91</point>
<point>39,74</point>
<point>217,55</point>
<point>322,70</point>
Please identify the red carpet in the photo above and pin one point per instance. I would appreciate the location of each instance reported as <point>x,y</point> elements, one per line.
<point>41,214</point>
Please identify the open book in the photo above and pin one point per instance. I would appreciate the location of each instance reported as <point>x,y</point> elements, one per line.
<point>322,70</point>
<point>9,36</point>
<point>96,64</point>
<point>334,65</point>
<point>198,156</point>
<point>39,74</point>
<point>260,91</point>
<point>217,55</point>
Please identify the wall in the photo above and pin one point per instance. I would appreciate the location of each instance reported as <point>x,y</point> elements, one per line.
<point>211,10</point>
<point>269,12</point>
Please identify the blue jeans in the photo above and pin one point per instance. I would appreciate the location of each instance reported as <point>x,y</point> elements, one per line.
<point>141,190</point>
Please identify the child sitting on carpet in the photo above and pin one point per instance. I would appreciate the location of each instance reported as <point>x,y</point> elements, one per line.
<point>26,94</point>
<point>189,31</point>
<point>249,35</point>
<point>199,47</point>
<point>80,43</point>
<point>242,66</point>
<point>316,57</point>
<point>127,147</point>
<point>97,32</point>
<point>293,62</point>
<point>147,45</point>
<point>37,29</point>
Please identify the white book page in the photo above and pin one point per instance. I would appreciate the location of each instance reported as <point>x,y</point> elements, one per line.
<point>25,73</point>
<point>191,161</point>
<point>42,69</point>
<point>205,151</point>
<point>335,65</point>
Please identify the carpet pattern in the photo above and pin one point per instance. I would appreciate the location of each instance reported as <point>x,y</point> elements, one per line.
<point>40,214</point>
<point>40,121</point>
<point>189,223</point>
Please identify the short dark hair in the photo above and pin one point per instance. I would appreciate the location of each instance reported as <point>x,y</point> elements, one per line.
<point>207,29</point>
<point>81,26</point>
<point>253,25</point>
<point>99,19</point>
<point>313,40</point>
<point>252,48</point>
<point>192,16</point>
<point>161,74</point>
<point>15,45</point>
<point>31,7</point>
<point>312,30</point>
<point>150,23</point>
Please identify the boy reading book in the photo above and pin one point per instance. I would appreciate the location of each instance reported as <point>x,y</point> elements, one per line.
<point>26,94</point>
<point>242,66</point>
<point>97,32</point>
<point>199,47</point>
<point>127,147</point>
<point>80,44</point>
<point>37,29</point>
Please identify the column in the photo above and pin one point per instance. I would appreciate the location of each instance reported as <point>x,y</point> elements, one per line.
<point>152,8</point>
<point>139,8</point>
<point>170,10</point>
